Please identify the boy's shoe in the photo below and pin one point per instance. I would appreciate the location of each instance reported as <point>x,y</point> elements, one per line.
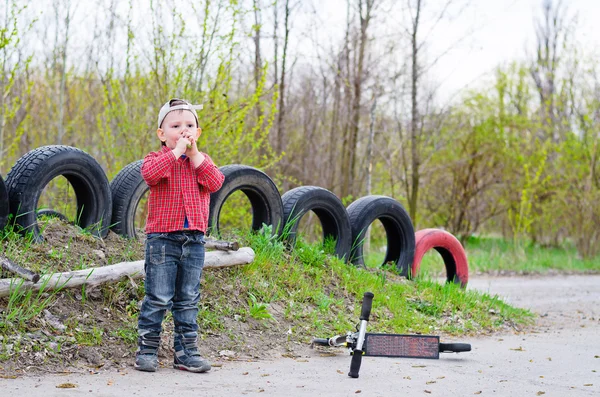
<point>146,357</point>
<point>187,357</point>
<point>146,362</point>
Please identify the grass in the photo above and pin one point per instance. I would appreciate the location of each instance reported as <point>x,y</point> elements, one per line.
<point>307,292</point>
<point>496,255</point>
<point>67,247</point>
<point>322,294</point>
<point>91,337</point>
<point>24,305</point>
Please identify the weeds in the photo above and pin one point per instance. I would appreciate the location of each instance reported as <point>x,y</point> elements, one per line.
<point>257,310</point>
<point>128,335</point>
<point>92,337</point>
<point>307,292</point>
<point>25,304</point>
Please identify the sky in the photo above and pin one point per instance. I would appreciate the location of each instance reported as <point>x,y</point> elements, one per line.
<point>486,34</point>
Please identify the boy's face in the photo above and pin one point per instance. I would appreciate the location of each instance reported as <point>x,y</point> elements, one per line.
<point>175,124</point>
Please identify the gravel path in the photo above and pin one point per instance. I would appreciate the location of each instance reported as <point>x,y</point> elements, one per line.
<point>561,359</point>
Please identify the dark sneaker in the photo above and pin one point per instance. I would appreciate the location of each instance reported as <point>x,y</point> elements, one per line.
<point>194,363</point>
<point>186,356</point>
<point>146,362</point>
<point>146,356</point>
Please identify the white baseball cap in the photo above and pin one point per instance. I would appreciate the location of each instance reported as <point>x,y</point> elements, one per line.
<point>167,108</point>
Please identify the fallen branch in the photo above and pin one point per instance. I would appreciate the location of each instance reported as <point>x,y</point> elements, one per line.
<point>12,267</point>
<point>222,245</point>
<point>100,275</point>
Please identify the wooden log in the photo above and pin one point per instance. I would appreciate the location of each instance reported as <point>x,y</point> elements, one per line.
<point>12,267</point>
<point>222,245</point>
<point>99,275</point>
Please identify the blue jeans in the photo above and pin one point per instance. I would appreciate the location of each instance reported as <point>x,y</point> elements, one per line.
<point>173,266</point>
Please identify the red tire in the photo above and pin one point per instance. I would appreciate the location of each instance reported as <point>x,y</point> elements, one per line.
<point>451,250</point>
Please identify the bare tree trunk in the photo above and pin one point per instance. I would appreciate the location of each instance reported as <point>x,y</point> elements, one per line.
<point>370,145</point>
<point>273,137</point>
<point>347,102</point>
<point>5,73</point>
<point>63,76</point>
<point>281,114</point>
<point>275,42</point>
<point>551,34</point>
<point>367,245</point>
<point>207,40</point>
<point>349,166</point>
<point>333,148</point>
<point>414,118</point>
<point>257,57</point>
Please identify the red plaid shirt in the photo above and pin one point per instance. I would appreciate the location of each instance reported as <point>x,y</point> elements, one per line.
<point>178,190</point>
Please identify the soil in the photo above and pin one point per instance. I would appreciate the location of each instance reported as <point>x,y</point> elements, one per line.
<point>93,329</point>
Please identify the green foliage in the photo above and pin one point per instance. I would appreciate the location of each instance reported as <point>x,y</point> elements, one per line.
<point>89,337</point>
<point>24,305</point>
<point>14,89</point>
<point>110,112</point>
<point>257,310</point>
<point>522,217</point>
<point>493,254</point>
<point>128,335</point>
<point>504,159</point>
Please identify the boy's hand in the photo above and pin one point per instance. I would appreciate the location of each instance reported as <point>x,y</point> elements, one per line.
<point>195,155</point>
<point>192,147</point>
<point>192,150</point>
<point>181,146</point>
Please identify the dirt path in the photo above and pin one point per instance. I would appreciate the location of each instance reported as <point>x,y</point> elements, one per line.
<point>561,359</point>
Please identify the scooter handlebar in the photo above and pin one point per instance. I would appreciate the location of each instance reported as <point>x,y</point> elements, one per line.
<point>366,306</point>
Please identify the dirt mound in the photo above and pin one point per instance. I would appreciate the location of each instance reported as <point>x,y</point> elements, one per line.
<point>86,329</point>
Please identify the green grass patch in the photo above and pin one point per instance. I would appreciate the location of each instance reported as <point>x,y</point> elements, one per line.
<point>321,295</point>
<point>489,254</point>
<point>127,334</point>
<point>497,255</point>
<point>304,293</point>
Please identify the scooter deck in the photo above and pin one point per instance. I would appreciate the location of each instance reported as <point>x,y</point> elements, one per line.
<point>398,345</point>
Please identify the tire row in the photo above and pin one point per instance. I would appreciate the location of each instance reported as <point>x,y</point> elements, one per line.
<point>102,206</point>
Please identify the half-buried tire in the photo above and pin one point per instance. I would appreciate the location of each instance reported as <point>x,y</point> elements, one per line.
<point>261,191</point>
<point>50,213</point>
<point>32,172</point>
<point>4,208</point>
<point>399,230</point>
<point>127,188</point>
<point>450,249</point>
<point>328,208</point>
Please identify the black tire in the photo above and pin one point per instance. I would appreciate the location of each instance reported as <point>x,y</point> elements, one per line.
<point>127,188</point>
<point>320,342</point>
<point>50,213</point>
<point>399,230</point>
<point>264,197</point>
<point>454,347</point>
<point>328,208</point>
<point>32,172</point>
<point>4,208</point>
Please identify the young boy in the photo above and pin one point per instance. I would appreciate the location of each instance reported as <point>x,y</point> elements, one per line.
<point>181,179</point>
